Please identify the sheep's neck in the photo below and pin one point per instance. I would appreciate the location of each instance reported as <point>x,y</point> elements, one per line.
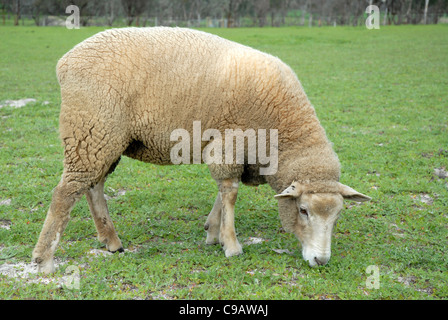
<point>305,153</point>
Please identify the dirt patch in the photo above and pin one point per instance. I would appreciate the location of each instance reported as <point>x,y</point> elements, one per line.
<point>410,282</point>
<point>6,202</point>
<point>99,252</point>
<point>441,173</point>
<point>105,253</point>
<point>28,272</point>
<point>424,198</point>
<point>17,103</point>
<point>5,224</point>
<point>20,103</point>
<point>253,240</point>
<point>281,251</point>
<point>113,194</point>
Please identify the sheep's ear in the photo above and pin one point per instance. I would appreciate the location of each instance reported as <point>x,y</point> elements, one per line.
<point>351,194</point>
<point>294,190</point>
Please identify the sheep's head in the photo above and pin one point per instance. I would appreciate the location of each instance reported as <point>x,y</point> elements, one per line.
<point>311,212</point>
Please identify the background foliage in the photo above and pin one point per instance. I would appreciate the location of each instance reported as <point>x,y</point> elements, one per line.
<point>226,13</point>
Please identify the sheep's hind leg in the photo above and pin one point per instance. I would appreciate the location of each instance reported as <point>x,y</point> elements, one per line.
<point>213,223</point>
<point>100,214</point>
<point>228,191</point>
<point>65,196</point>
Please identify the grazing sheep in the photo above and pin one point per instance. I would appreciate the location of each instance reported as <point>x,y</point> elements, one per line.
<point>124,91</point>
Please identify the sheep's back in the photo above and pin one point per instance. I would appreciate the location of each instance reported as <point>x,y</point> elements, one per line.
<point>161,79</point>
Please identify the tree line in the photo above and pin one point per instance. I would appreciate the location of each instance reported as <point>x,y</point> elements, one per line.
<point>235,13</point>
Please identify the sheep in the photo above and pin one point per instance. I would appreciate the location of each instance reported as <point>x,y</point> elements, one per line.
<point>124,91</point>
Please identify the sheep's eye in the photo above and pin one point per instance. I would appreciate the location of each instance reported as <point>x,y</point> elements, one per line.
<point>303,211</point>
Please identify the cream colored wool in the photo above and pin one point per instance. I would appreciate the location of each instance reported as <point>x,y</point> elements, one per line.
<point>130,88</point>
<point>125,90</point>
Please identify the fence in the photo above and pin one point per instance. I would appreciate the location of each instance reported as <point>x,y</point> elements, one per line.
<point>247,21</point>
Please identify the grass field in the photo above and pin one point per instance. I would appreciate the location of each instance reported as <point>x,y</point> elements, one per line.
<point>381,96</point>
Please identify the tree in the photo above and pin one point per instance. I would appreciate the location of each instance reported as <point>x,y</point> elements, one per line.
<point>133,9</point>
<point>342,12</point>
<point>37,8</point>
<point>230,9</point>
<point>17,10</point>
<point>111,10</point>
<point>261,8</point>
<point>3,9</point>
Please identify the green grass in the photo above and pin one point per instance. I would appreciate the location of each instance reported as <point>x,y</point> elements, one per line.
<point>381,96</point>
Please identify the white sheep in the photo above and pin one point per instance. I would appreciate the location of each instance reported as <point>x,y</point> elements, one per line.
<point>124,91</point>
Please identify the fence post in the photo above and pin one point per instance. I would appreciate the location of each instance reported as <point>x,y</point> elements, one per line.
<point>426,11</point>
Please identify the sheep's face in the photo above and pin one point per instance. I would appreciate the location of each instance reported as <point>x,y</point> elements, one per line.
<point>312,217</point>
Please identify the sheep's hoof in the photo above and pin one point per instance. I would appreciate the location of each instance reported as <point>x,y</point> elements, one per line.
<point>120,250</point>
<point>46,267</point>
<point>211,241</point>
<point>234,251</point>
<point>212,238</point>
<point>212,235</point>
<point>114,245</point>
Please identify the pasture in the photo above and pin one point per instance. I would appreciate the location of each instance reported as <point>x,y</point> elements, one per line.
<point>382,97</point>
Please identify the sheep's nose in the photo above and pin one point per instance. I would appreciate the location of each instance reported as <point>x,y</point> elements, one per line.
<point>321,262</point>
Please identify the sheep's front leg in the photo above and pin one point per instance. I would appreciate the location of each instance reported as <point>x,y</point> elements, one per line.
<point>228,191</point>
<point>213,223</point>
